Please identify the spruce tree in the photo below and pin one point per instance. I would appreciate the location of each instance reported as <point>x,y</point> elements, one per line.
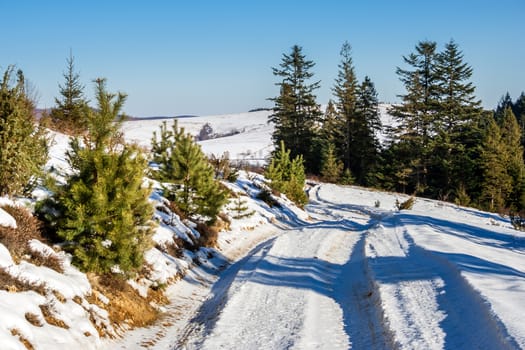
<point>191,184</point>
<point>296,114</point>
<point>68,114</point>
<point>345,91</point>
<point>497,183</point>
<point>504,103</point>
<point>369,123</point>
<point>23,144</point>
<point>416,114</point>
<point>457,115</point>
<point>332,131</point>
<point>102,211</point>
<point>511,139</point>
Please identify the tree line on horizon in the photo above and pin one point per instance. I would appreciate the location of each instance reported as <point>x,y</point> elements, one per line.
<point>443,144</point>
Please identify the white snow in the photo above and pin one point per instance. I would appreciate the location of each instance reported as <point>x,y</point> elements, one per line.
<point>6,219</point>
<point>349,271</point>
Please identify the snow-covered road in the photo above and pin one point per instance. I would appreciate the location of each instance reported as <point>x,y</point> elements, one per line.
<point>294,291</point>
<point>362,275</point>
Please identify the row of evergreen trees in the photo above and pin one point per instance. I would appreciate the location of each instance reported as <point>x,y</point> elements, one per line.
<point>442,144</point>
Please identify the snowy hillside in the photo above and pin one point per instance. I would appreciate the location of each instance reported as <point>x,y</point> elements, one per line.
<point>249,134</point>
<point>349,271</point>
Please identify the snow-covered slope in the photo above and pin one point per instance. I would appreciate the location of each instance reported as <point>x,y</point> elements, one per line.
<point>349,272</point>
<point>249,134</point>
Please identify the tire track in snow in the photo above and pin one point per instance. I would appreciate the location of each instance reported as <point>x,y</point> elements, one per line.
<point>427,302</point>
<point>357,294</point>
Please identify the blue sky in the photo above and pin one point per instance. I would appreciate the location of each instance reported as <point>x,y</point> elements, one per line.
<point>213,57</point>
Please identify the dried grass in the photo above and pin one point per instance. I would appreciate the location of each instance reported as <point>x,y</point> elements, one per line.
<point>23,340</point>
<point>125,306</point>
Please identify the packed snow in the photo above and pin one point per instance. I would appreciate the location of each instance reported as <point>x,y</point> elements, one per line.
<point>348,271</point>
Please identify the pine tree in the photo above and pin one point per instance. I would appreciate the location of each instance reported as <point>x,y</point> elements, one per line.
<point>497,183</point>
<point>23,144</point>
<point>511,139</point>
<point>457,115</point>
<point>504,103</point>
<point>287,176</point>
<point>295,186</point>
<point>369,122</point>
<point>345,90</point>
<point>191,183</point>
<point>332,131</point>
<point>241,209</point>
<point>416,114</point>
<point>296,114</point>
<point>102,211</point>
<point>332,168</point>
<point>278,171</point>
<point>68,115</point>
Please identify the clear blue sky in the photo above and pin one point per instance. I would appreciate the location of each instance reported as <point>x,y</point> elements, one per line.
<point>212,57</point>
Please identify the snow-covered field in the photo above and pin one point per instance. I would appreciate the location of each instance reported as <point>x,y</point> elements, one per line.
<point>351,271</point>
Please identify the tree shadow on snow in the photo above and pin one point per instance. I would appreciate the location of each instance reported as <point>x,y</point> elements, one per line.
<point>468,320</point>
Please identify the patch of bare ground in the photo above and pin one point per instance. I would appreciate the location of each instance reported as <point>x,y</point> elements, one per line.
<point>125,306</point>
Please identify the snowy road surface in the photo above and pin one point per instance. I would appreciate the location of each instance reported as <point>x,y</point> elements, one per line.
<point>293,292</point>
<point>362,275</point>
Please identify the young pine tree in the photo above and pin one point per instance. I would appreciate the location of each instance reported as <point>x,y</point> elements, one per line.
<point>287,176</point>
<point>332,168</point>
<point>68,114</point>
<point>191,183</point>
<point>23,144</point>
<point>103,210</point>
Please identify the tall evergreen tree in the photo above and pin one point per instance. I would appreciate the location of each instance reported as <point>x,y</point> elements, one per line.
<point>68,114</point>
<point>191,183</point>
<point>102,211</point>
<point>369,123</point>
<point>345,90</point>
<point>497,183</point>
<point>457,116</point>
<point>23,143</point>
<point>296,114</point>
<point>504,103</point>
<point>511,140</point>
<point>416,114</point>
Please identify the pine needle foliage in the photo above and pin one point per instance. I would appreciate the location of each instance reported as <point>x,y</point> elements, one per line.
<point>23,144</point>
<point>332,168</point>
<point>68,113</point>
<point>287,176</point>
<point>102,212</point>
<point>188,176</point>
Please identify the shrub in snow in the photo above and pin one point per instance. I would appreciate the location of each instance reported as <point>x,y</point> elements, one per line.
<point>240,208</point>
<point>287,176</point>
<point>103,200</point>
<point>406,205</point>
<point>23,147</point>
<point>189,178</point>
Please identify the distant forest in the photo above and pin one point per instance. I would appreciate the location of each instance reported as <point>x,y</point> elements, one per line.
<point>443,145</point>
